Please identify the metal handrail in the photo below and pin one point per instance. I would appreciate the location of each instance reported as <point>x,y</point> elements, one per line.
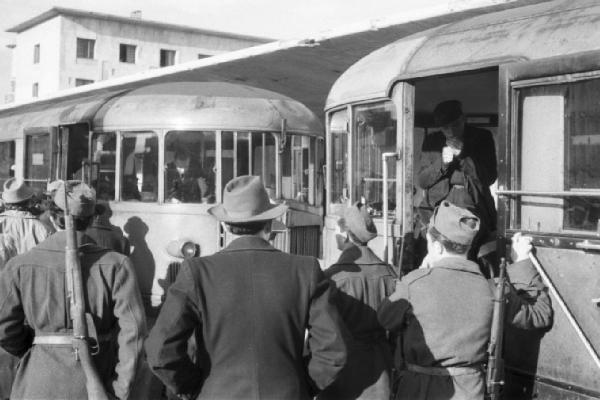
<point>509,193</point>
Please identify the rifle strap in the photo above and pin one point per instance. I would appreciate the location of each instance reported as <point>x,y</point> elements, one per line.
<point>445,371</point>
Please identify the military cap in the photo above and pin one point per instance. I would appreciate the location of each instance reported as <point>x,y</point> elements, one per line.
<point>456,224</point>
<point>16,191</point>
<point>447,112</point>
<point>81,198</point>
<point>357,220</point>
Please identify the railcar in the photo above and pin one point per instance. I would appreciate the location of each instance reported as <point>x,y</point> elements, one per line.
<point>159,156</point>
<point>531,75</point>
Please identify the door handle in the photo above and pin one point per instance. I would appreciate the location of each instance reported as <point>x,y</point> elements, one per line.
<point>587,245</point>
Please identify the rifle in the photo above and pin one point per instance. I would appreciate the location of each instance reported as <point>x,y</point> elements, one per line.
<point>93,383</point>
<point>495,366</point>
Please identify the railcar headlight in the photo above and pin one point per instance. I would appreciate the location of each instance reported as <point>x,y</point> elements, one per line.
<point>183,248</point>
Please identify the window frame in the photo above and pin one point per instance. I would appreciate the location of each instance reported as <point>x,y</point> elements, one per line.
<point>36,53</point>
<point>89,50</point>
<point>513,77</point>
<point>163,56</point>
<point>35,89</point>
<point>123,51</point>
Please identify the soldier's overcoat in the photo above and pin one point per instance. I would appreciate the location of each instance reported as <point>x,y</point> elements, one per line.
<point>32,293</point>
<point>444,316</point>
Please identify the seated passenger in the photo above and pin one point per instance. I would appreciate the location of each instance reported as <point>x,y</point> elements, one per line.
<point>185,181</point>
<point>443,311</point>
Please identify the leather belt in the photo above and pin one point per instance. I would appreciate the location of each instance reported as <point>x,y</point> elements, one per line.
<point>60,339</point>
<point>445,371</point>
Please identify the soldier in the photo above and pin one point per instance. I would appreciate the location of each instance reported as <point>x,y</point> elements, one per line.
<point>363,281</point>
<point>443,311</point>
<point>106,234</point>
<point>250,305</point>
<point>32,291</point>
<point>17,220</point>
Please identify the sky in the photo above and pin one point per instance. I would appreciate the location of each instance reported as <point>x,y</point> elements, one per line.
<point>277,19</point>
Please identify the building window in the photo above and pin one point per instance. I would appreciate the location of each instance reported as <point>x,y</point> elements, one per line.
<point>35,89</point>
<point>201,56</point>
<point>85,48</point>
<point>167,57</point>
<point>81,82</point>
<point>127,53</point>
<point>36,53</point>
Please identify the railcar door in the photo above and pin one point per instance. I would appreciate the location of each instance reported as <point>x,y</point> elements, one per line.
<point>549,188</point>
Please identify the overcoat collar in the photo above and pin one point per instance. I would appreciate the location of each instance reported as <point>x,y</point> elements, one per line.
<point>57,242</point>
<point>458,264</point>
<point>249,243</point>
<point>356,254</point>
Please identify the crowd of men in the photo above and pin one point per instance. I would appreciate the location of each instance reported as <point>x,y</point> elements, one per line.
<point>267,324</point>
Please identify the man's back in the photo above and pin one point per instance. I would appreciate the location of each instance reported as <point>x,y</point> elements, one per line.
<point>25,228</point>
<point>252,304</point>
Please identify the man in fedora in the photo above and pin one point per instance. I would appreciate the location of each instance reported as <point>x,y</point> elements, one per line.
<point>17,220</point>
<point>443,311</point>
<point>363,281</point>
<point>33,297</point>
<point>458,164</point>
<point>250,306</point>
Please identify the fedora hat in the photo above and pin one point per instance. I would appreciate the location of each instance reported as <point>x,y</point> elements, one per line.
<point>245,199</point>
<point>16,191</point>
<point>357,220</point>
<point>447,112</point>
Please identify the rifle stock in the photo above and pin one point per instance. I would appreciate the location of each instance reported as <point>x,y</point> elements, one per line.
<point>74,280</point>
<point>495,367</point>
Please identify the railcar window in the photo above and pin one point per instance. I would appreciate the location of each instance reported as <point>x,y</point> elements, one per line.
<point>7,161</point>
<point>338,129</point>
<point>263,150</point>
<point>375,134</point>
<point>189,167</point>
<point>298,169</point>
<point>104,156</point>
<point>559,134</point>
<point>139,168</point>
<point>38,159</point>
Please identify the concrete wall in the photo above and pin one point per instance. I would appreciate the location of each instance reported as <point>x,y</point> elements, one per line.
<point>59,67</point>
<point>46,72</point>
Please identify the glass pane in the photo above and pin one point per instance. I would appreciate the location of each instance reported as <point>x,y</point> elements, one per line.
<point>559,134</point>
<point>104,156</point>
<point>339,157</point>
<point>37,161</point>
<point>263,159</point>
<point>235,156</point>
<point>7,161</point>
<point>296,175</point>
<point>189,167</point>
<point>375,134</point>
<point>139,167</point>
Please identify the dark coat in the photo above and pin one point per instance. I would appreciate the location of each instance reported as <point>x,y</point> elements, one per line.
<point>251,305</point>
<point>444,317</point>
<point>109,237</point>
<point>32,291</point>
<point>465,181</point>
<point>363,282</point>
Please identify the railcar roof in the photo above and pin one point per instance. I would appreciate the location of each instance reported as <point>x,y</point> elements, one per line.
<point>525,33</point>
<point>301,69</point>
<point>206,105</point>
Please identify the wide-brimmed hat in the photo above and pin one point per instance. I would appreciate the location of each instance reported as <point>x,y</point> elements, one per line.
<point>457,224</point>
<point>357,220</point>
<point>245,199</point>
<point>81,198</point>
<point>447,112</point>
<point>16,191</point>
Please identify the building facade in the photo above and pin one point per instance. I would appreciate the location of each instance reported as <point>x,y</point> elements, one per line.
<point>64,48</point>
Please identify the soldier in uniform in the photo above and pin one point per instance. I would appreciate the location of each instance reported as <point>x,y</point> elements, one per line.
<point>443,311</point>
<point>363,281</point>
<point>250,305</point>
<point>32,291</point>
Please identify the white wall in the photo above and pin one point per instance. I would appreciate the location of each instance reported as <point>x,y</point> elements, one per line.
<point>46,72</point>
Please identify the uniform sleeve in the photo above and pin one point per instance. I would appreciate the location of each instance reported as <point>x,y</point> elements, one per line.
<point>392,312</point>
<point>326,333</point>
<point>431,167</point>
<point>129,311</point>
<point>166,347</point>
<point>13,336</point>
<point>529,304</point>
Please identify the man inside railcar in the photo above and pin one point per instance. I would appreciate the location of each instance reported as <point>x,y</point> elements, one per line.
<point>185,180</point>
<point>458,164</point>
